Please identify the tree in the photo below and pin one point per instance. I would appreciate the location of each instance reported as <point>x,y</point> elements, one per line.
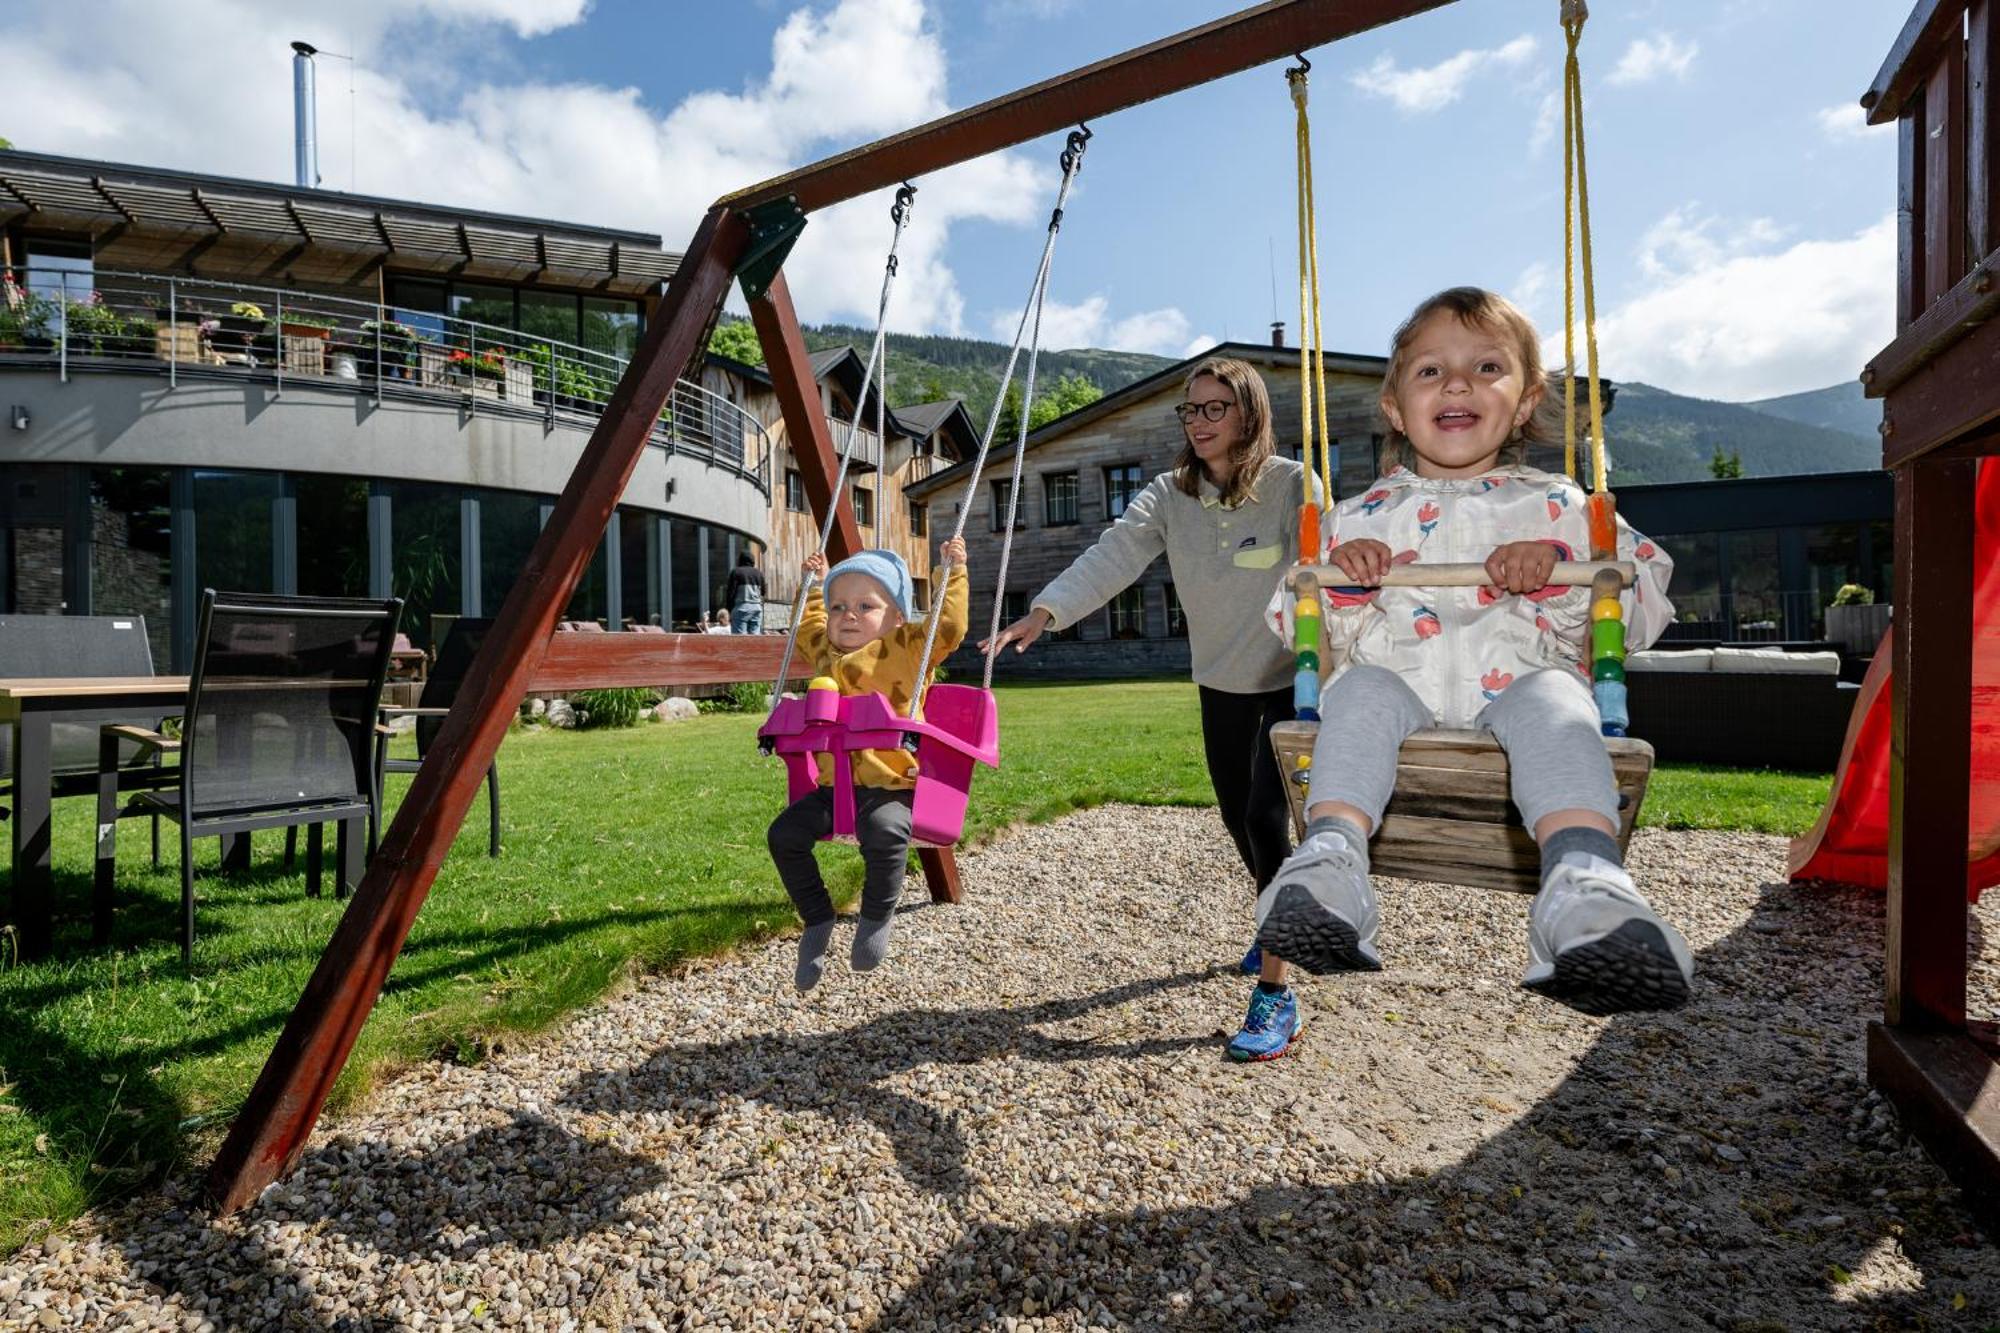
<point>1060,399</point>
<point>6,142</point>
<point>737,340</point>
<point>1725,469</point>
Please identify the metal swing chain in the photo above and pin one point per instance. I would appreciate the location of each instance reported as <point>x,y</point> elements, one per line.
<point>899,213</point>
<point>1072,163</point>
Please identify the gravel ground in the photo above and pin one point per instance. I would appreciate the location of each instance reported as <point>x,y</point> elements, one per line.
<point>1025,1122</point>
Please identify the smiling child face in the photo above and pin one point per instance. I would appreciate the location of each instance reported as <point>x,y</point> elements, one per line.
<point>1459,394</point>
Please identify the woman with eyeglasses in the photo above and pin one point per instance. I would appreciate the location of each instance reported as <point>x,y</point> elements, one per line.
<point>1227,519</point>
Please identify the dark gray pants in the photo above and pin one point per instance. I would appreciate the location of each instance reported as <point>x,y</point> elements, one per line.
<point>881,825</point>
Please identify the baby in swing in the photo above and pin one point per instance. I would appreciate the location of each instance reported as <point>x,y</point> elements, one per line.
<point>861,634</point>
<point>1461,395</point>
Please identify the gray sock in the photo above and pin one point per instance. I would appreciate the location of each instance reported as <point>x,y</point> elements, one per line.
<point>1565,843</point>
<point>871,943</point>
<point>1347,829</point>
<point>812,955</point>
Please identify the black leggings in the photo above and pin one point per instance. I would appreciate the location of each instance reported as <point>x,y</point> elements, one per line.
<point>1236,737</point>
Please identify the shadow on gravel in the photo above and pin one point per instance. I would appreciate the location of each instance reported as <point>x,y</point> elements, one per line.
<point>1707,1167</point>
<point>1757,1149</point>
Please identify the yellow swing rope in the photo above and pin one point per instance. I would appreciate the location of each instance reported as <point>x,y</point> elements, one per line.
<point>1607,611</point>
<point>1312,355</point>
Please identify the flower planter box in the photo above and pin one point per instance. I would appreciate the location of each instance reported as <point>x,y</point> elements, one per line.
<point>519,386</point>
<point>292,330</point>
<point>304,355</point>
<point>1858,629</point>
<point>178,342</point>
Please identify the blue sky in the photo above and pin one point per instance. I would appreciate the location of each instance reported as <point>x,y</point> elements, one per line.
<point>1740,209</point>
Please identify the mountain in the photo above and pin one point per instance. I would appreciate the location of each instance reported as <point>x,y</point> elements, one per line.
<point>924,368</point>
<point>1661,436</point>
<point>1840,407</point>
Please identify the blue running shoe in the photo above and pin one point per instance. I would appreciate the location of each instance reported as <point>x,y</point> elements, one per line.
<point>1270,1026</point>
<point>1253,962</point>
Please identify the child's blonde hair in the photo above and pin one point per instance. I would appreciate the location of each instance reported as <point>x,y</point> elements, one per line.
<point>1478,308</point>
<point>1253,401</point>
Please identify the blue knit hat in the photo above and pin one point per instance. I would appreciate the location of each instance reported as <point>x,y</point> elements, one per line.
<point>886,568</point>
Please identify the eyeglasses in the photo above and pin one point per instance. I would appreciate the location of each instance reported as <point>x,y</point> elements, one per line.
<point>1215,409</point>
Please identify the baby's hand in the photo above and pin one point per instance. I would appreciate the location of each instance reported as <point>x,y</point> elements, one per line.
<point>1363,560</point>
<point>815,565</point>
<point>1521,567</point>
<point>953,552</point>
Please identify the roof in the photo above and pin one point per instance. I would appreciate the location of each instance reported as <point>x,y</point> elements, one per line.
<point>106,195</point>
<point>1255,353</point>
<point>845,367</point>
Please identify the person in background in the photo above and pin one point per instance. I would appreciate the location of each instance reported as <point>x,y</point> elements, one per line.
<point>744,596</point>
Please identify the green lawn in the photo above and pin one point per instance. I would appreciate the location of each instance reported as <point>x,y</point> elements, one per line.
<point>625,849</point>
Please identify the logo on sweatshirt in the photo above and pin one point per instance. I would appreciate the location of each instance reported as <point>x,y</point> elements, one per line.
<point>1495,681</point>
<point>1247,541</point>
<point>1558,501</point>
<point>1426,622</point>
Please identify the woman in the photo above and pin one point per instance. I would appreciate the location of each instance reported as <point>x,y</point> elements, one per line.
<point>1227,519</point>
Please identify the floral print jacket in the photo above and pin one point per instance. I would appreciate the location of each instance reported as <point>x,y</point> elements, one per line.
<point>1459,647</point>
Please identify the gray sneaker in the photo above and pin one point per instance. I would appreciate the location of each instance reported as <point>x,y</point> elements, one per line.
<point>1595,943</point>
<point>1319,910</point>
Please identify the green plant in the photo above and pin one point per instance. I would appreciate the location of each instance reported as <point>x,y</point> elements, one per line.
<point>310,321</point>
<point>1853,594</point>
<point>247,310</point>
<point>490,364</point>
<point>608,708</point>
<point>570,379</point>
<point>91,323</point>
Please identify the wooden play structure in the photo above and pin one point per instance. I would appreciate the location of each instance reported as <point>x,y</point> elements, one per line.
<point>1941,378</point>
<point>1940,385</point>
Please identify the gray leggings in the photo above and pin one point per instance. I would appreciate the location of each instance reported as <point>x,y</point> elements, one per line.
<point>881,826</point>
<point>1546,721</point>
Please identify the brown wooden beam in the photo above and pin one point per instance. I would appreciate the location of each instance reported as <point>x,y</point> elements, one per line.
<point>272,1128</point>
<point>1944,174</point>
<point>1970,303</point>
<point>1932,25</point>
<point>1982,122</point>
<point>785,356</point>
<point>1955,394</point>
<point>1946,1087</point>
<point>1930,745</point>
<point>599,661</point>
<point>1200,55</point>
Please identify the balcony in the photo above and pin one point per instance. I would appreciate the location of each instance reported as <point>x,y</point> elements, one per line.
<point>190,331</point>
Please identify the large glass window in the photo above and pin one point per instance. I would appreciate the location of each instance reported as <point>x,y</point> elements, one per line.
<point>689,604</point>
<point>424,560</point>
<point>1121,486</point>
<point>721,557</point>
<point>920,518</point>
<point>59,269</point>
<point>1059,498</point>
<point>419,303</point>
<point>549,315</point>
<point>509,522</point>
<point>131,544</point>
<point>1696,591</point>
<point>1127,612</point>
<point>639,575</point>
<point>611,326</point>
<point>333,536</point>
<point>592,598</point>
<point>232,524</point>
<point>795,491</point>
<point>1833,557</point>
<point>1002,490</point>
<point>1753,583</point>
<point>482,304</point>
<point>864,506</point>
<point>1176,614</point>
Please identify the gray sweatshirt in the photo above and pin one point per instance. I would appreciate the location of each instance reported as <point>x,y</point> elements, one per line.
<point>1225,564</point>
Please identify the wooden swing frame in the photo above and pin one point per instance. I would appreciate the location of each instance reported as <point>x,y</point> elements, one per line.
<point>522,652</point>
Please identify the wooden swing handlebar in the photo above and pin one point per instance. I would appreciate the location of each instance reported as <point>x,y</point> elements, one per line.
<point>1567,574</point>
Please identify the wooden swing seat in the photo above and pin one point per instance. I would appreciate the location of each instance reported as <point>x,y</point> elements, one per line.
<point>1452,820</point>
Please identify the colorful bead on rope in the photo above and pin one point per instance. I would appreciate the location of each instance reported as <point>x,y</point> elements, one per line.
<point>1305,644</point>
<point>1607,649</point>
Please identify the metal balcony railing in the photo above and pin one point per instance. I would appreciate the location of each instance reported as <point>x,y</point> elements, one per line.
<point>190,327</point>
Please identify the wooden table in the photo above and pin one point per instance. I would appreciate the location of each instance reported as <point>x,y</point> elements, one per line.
<point>32,707</point>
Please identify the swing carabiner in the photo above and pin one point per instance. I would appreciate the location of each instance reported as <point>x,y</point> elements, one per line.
<point>1072,154</point>
<point>906,199</point>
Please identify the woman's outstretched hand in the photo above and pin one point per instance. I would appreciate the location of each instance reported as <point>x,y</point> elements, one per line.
<point>1021,633</point>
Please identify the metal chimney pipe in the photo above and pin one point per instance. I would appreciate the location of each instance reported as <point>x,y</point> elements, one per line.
<point>304,116</point>
<point>1277,333</point>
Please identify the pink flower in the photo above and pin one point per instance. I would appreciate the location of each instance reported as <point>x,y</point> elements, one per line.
<point>1495,681</point>
<point>1427,623</point>
<point>1645,550</point>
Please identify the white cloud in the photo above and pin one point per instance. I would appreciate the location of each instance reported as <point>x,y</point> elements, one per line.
<point>1439,85</point>
<point>1846,123</point>
<point>1548,120</point>
<point>1533,284</point>
<point>1088,323</point>
<point>1649,58</point>
<point>205,85</point>
<point>1732,317</point>
<point>1196,346</point>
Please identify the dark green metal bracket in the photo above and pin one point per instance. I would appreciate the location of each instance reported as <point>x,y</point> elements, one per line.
<point>773,229</point>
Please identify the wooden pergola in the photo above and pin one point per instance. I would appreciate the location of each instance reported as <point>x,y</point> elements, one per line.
<point>745,236</point>
<point>1940,382</point>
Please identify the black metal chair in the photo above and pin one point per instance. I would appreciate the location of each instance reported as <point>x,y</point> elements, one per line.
<point>83,646</point>
<point>455,651</point>
<point>278,731</point>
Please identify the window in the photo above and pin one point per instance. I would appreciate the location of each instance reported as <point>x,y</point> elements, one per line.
<point>59,270</point>
<point>1059,498</point>
<point>332,517</point>
<point>1176,615</point>
<point>550,315</point>
<point>424,553</point>
<point>920,596</point>
<point>610,326</point>
<point>1013,605</point>
<point>233,530</point>
<point>920,518</point>
<point>482,304</point>
<point>1121,487</point>
<point>1127,612</point>
<point>864,506</point>
<point>131,551</point>
<point>509,523</point>
<point>795,491</point>
<point>1001,490</point>
<point>638,567</point>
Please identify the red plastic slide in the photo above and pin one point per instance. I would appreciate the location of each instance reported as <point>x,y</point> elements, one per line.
<point>1851,841</point>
